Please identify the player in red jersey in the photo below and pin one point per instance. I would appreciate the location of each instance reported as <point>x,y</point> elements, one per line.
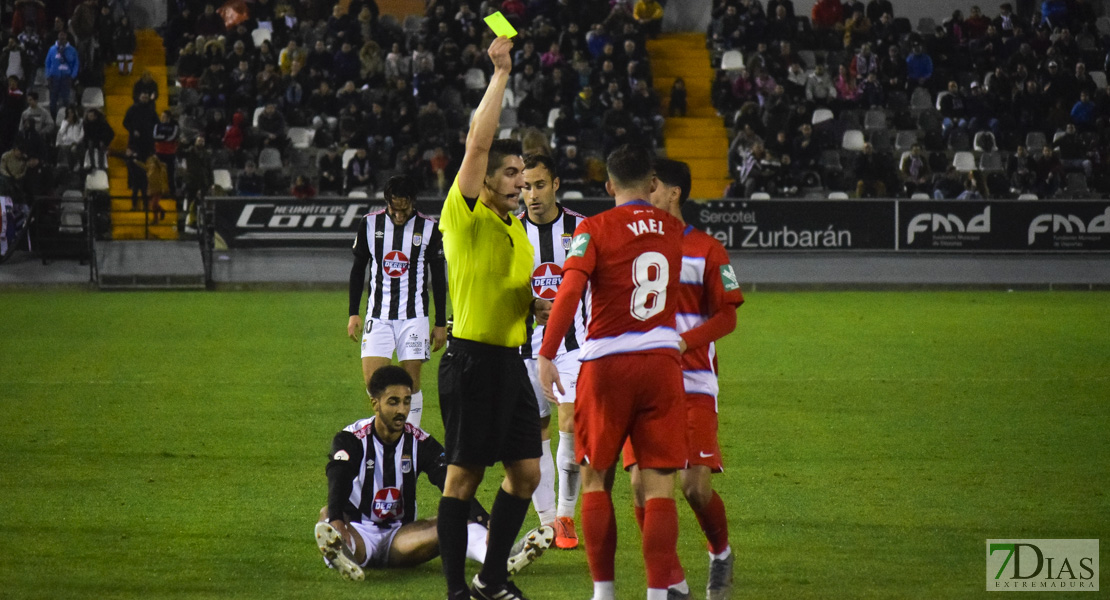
<point>628,261</point>
<point>706,303</point>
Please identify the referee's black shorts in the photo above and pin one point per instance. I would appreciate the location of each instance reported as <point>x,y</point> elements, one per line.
<point>488,405</point>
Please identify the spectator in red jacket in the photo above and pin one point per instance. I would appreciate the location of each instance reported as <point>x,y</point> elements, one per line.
<point>826,14</point>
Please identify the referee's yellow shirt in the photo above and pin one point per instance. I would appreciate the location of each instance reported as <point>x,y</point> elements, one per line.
<point>489,268</point>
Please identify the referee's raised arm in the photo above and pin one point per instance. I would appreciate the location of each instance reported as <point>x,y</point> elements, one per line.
<point>486,120</point>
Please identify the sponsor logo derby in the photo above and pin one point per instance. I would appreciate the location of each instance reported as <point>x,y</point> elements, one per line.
<point>1042,566</point>
<point>387,504</point>
<point>545,280</point>
<point>395,263</point>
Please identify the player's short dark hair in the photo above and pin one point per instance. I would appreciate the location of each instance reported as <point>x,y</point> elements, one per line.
<point>497,153</point>
<point>674,173</point>
<point>400,186</point>
<point>385,377</point>
<point>532,161</point>
<point>629,165</point>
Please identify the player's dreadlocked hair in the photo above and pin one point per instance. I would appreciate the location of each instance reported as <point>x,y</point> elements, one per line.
<point>629,166</point>
<point>674,173</point>
<point>385,377</point>
<point>497,153</point>
<point>400,186</point>
<point>541,160</point>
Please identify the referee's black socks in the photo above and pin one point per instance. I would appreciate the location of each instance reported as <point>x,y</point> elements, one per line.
<point>505,521</point>
<point>451,527</point>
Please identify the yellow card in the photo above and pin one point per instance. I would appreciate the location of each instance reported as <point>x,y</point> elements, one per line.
<point>500,25</point>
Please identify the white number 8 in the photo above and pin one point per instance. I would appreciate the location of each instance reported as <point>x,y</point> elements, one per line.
<point>650,273</point>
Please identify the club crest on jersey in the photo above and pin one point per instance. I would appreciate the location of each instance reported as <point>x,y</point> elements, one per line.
<point>545,280</point>
<point>417,238</point>
<point>395,264</point>
<point>566,237</point>
<point>406,463</point>
<point>387,504</point>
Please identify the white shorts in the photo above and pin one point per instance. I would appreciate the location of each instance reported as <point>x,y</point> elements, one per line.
<point>378,541</point>
<point>568,366</point>
<point>409,337</point>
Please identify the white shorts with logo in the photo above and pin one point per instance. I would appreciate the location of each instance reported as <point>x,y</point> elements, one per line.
<point>409,337</point>
<point>568,366</point>
<point>378,541</point>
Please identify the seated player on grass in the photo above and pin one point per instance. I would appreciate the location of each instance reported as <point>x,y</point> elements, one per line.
<point>370,519</point>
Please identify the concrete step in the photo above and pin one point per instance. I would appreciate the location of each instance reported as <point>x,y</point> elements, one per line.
<point>122,207</point>
<point>713,147</point>
<point>710,188</point>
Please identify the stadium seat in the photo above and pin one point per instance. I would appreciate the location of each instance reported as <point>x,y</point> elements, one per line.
<point>96,181</point>
<point>348,154</point>
<point>921,196</point>
<point>940,96</point>
<point>300,137</point>
<point>838,196</point>
<point>732,60</point>
<point>874,119</point>
<point>959,140</point>
<point>1102,24</point>
<point>852,140</point>
<point>1077,185</point>
<point>357,194</point>
<point>882,140</point>
<point>1099,78</point>
<point>984,142</point>
<point>808,58</point>
<point>905,140</point>
<point>992,161</point>
<point>821,115</point>
<point>572,195</point>
<point>92,97</point>
<point>221,178</point>
<point>261,35</point>
<point>830,160</point>
<point>475,79</point>
<point>1056,136</point>
<point>1028,197</point>
<point>552,116</point>
<point>964,162</point>
<point>1035,141</point>
<point>926,26</point>
<point>921,99</point>
<point>761,196</point>
<point>506,133</point>
<point>269,160</point>
<point>509,117</point>
<point>257,113</point>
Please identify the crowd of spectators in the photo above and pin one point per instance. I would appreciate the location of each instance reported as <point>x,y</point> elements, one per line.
<point>351,97</point>
<point>853,98</point>
<point>50,51</point>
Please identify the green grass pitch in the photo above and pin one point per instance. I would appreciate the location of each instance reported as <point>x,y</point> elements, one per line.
<point>172,445</point>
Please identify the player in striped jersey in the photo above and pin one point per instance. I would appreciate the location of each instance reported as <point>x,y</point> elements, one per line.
<point>550,227</point>
<point>371,516</point>
<point>707,302</point>
<point>405,247</point>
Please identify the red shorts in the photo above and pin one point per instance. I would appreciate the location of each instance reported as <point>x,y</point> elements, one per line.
<point>631,396</point>
<point>701,435</point>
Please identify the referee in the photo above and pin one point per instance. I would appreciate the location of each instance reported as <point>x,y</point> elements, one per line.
<point>488,406</point>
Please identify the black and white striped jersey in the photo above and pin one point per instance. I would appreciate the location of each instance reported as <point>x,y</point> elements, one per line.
<point>401,259</point>
<point>551,242</point>
<point>370,481</point>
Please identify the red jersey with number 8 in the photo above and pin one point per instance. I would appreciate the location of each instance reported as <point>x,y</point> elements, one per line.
<point>632,256</point>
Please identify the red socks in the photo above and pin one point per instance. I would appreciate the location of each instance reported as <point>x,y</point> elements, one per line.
<point>714,524</point>
<point>660,543</point>
<point>599,527</point>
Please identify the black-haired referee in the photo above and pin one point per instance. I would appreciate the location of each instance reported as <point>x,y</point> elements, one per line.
<point>489,408</point>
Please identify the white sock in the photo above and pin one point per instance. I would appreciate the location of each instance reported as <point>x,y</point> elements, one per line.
<point>417,408</point>
<point>661,594</point>
<point>603,590</point>
<point>544,496</point>
<point>722,556</point>
<point>569,475</point>
<point>476,542</point>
